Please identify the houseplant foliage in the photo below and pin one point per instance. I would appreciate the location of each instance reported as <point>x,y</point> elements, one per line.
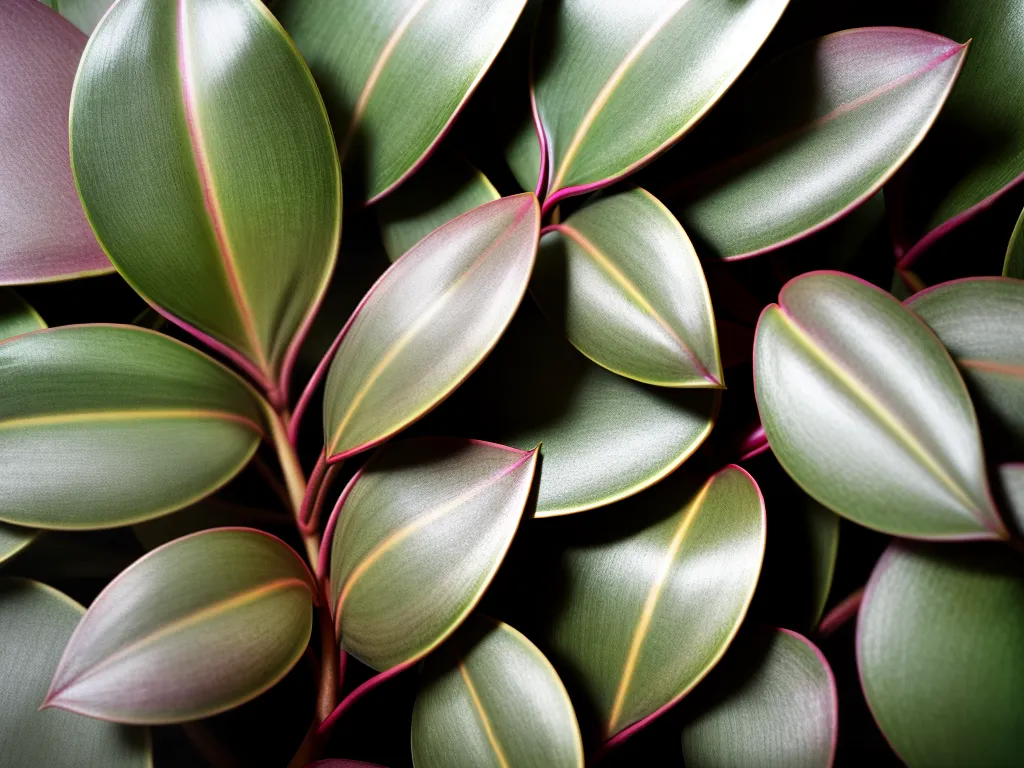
<point>513,383</point>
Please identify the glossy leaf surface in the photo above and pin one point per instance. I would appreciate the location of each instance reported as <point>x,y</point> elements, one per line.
<point>981,323</point>
<point>1014,264</point>
<point>646,616</point>
<point>976,150</point>
<point>106,425</point>
<point>45,233</point>
<point>444,188</point>
<point>206,164</point>
<point>35,623</point>
<point>488,697</point>
<point>395,73</point>
<point>819,131</point>
<point>622,279</point>
<point>867,412</point>
<point>428,322</point>
<point>772,702</point>
<point>602,437</point>
<point>617,83</point>
<point>422,532</point>
<point>939,620</point>
<point>195,627</point>
<point>84,14</point>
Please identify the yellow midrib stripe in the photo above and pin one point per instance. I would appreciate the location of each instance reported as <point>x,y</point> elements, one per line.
<point>378,67</point>
<point>866,397</point>
<point>647,614</point>
<point>85,417</point>
<point>184,622</point>
<point>396,537</point>
<point>482,714</point>
<point>608,88</point>
<point>630,290</point>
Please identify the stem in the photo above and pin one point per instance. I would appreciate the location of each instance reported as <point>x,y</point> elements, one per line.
<point>374,682</point>
<point>311,493</point>
<point>841,614</point>
<point>294,479</point>
<point>313,523</point>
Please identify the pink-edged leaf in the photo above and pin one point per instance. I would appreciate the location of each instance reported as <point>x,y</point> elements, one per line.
<point>44,234</point>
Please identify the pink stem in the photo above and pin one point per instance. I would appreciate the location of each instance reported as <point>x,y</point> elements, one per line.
<point>755,443</point>
<point>316,478</point>
<point>841,614</point>
<point>357,694</point>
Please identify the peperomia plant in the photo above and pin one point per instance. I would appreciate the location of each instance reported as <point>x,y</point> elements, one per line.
<point>628,311</point>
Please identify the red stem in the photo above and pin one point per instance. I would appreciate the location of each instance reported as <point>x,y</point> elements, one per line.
<point>841,614</point>
<point>346,703</point>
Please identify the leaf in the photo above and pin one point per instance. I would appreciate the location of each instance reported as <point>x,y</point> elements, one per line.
<point>646,614</point>
<point>1014,265</point>
<point>395,73</point>
<point>84,14</point>
<point>975,152</point>
<point>421,533</point>
<point>13,539</point>
<point>196,627</point>
<point>107,425</point>
<point>603,437</point>
<point>205,162</point>
<point>488,697</point>
<point>16,316</point>
<point>445,188</point>
<point>1011,477</point>
<point>981,323</point>
<point>622,280</point>
<point>771,702</point>
<point>867,413</point>
<point>428,323</point>
<point>35,623</point>
<point>617,84</point>
<point>815,134</point>
<point>45,234</point>
<point>937,621</point>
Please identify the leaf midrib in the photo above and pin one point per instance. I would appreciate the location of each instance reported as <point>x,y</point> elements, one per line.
<point>154,414</point>
<point>481,713</point>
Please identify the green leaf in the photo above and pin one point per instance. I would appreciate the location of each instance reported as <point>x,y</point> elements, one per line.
<point>1011,478</point>
<point>106,425</point>
<point>815,134</point>
<point>622,280</point>
<point>428,322</point>
<point>938,648</point>
<point>618,83</point>
<point>603,437</point>
<point>981,323</point>
<point>771,702</point>
<point>445,188</point>
<point>45,234</point>
<point>1014,264</point>
<point>646,614</point>
<point>16,316</point>
<point>867,412</point>
<point>196,627</point>
<point>488,697</point>
<point>421,533</point>
<point>206,165</point>
<point>84,14</point>
<point>975,152</point>
<point>395,73</point>
<point>13,539</point>
<point>35,623</point>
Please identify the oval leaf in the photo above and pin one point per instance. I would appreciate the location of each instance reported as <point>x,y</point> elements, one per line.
<point>620,83</point>
<point>45,233</point>
<point>422,530</point>
<point>975,152</point>
<point>940,620</point>
<point>428,322</point>
<point>603,437</point>
<point>646,615</point>
<point>84,14</point>
<point>445,188</point>
<point>196,627</point>
<point>206,165</point>
<point>981,323</point>
<point>771,702</point>
<point>106,425</point>
<point>867,412</point>
<point>622,279</point>
<point>820,131</point>
<point>1014,264</point>
<point>35,624</point>
<point>489,697</point>
<point>390,109</point>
